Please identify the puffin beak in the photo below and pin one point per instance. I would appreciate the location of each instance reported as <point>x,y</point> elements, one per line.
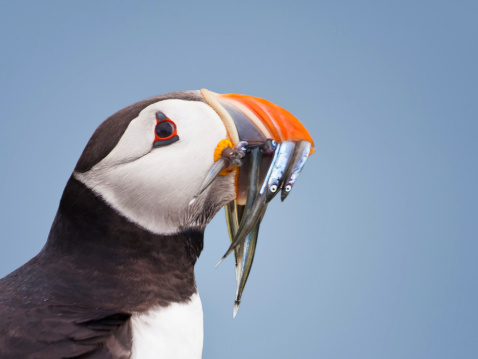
<point>270,147</point>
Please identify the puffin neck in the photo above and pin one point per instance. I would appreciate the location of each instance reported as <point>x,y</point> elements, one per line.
<point>91,238</point>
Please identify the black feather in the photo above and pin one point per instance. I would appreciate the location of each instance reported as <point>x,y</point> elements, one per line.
<point>76,297</point>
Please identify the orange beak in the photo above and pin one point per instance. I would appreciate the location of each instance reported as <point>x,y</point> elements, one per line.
<point>254,119</point>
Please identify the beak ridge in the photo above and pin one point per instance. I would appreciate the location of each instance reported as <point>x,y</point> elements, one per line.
<point>254,119</point>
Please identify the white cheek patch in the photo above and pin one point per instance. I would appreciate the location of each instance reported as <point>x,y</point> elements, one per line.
<point>153,186</point>
<point>173,332</point>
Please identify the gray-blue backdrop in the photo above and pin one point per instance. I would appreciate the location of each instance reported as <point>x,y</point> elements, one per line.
<point>374,255</point>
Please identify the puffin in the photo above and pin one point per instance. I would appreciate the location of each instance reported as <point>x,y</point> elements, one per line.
<point>115,278</point>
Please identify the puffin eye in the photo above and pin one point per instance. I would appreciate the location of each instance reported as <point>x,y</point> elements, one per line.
<point>165,131</point>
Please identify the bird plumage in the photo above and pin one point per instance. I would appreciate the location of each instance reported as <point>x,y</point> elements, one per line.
<point>77,296</point>
<point>115,278</point>
<point>99,269</point>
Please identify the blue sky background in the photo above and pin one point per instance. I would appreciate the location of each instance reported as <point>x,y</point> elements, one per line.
<point>374,254</point>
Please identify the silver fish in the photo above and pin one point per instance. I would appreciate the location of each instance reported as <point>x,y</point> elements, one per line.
<point>300,155</point>
<point>268,190</point>
<point>243,221</point>
<point>230,158</point>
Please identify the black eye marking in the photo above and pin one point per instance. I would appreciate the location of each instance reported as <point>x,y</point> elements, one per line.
<point>161,116</point>
<point>165,131</point>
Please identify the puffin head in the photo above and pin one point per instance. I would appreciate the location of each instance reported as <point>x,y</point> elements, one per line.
<point>170,162</point>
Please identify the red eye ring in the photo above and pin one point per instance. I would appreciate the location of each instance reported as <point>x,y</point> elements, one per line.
<point>174,131</point>
<point>165,131</point>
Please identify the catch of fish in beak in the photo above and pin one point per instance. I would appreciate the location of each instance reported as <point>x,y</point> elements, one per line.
<point>269,147</point>
<point>264,170</point>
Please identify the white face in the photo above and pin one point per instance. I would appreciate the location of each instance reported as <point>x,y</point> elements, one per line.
<point>153,186</point>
